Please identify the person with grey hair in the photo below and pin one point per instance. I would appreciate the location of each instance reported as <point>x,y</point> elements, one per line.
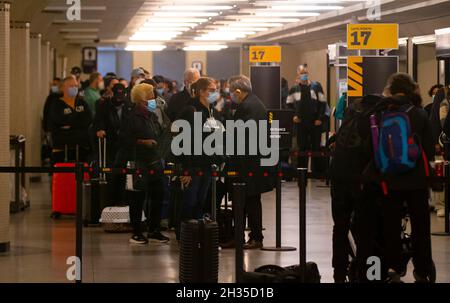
<point>179,101</point>
<point>250,107</point>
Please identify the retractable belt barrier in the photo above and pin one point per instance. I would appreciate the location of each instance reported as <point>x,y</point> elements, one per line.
<point>80,169</point>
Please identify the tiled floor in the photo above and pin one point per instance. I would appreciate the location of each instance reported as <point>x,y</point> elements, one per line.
<point>40,246</point>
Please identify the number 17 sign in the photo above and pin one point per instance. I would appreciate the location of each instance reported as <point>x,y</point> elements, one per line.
<point>372,36</point>
<point>265,54</point>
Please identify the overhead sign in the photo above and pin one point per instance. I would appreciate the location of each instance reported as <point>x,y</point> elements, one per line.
<point>265,54</point>
<point>369,75</point>
<point>372,36</point>
<point>89,60</point>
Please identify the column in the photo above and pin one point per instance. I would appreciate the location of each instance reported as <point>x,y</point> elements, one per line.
<point>19,80</point>
<point>34,140</point>
<point>4,123</point>
<point>45,61</point>
<point>144,60</point>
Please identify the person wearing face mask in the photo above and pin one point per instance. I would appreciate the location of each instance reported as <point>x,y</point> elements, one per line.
<point>250,108</point>
<point>69,120</point>
<point>160,86</point>
<point>139,143</point>
<point>195,187</point>
<point>54,94</point>
<point>178,103</point>
<point>109,119</point>
<point>309,114</point>
<point>92,93</point>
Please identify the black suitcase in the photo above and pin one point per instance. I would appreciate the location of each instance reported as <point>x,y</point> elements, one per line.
<point>95,192</point>
<point>199,248</point>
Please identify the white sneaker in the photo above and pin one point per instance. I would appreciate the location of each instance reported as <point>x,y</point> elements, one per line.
<point>440,213</point>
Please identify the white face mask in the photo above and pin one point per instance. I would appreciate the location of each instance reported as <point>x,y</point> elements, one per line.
<point>101,85</point>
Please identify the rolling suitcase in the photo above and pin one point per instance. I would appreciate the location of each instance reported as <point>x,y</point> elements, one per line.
<point>199,248</point>
<point>64,192</point>
<point>95,191</point>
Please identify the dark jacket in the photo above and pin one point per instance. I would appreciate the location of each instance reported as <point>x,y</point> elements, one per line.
<point>416,178</point>
<point>252,109</point>
<point>139,125</point>
<point>69,126</point>
<point>107,119</point>
<point>309,108</point>
<point>52,98</point>
<point>436,125</point>
<point>178,104</point>
<point>353,151</point>
<point>192,161</point>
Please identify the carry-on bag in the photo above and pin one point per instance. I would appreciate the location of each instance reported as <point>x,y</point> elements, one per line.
<point>199,247</point>
<point>64,189</point>
<point>95,191</point>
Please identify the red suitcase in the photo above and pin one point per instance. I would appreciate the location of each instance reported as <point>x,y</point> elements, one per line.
<point>64,192</point>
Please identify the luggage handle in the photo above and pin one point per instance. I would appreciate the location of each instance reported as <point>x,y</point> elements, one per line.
<point>102,156</point>
<point>66,153</point>
<point>213,192</point>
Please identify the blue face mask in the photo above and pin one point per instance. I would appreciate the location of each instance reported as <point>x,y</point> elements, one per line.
<point>213,97</point>
<point>151,105</point>
<point>304,77</point>
<point>226,90</point>
<point>234,98</point>
<point>73,92</point>
<point>160,91</point>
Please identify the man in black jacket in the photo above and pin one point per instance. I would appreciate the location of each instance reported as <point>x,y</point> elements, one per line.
<point>309,116</point>
<point>250,108</point>
<point>69,120</point>
<point>180,101</point>
<point>110,116</point>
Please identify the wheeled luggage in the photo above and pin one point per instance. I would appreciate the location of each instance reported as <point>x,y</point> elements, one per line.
<point>64,192</point>
<point>199,248</point>
<point>95,191</point>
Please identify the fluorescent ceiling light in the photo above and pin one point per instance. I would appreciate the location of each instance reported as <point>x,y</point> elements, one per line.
<point>186,14</point>
<point>164,29</point>
<point>208,47</point>
<point>306,7</point>
<point>196,7</point>
<point>230,34</point>
<point>241,24</point>
<point>206,38</point>
<point>286,14</point>
<point>238,29</point>
<point>442,31</point>
<point>279,20</point>
<point>178,20</point>
<point>145,47</point>
<point>152,37</point>
<point>163,25</point>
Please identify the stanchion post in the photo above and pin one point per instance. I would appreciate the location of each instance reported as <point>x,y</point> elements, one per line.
<point>278,227</point>
<point>302,183</point>
<point>214,169</point>
<point>79,220</point>
<point>238,206</point>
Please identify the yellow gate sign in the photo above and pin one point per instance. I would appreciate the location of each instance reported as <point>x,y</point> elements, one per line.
<point>265,54</point>
<point>372,36</point>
